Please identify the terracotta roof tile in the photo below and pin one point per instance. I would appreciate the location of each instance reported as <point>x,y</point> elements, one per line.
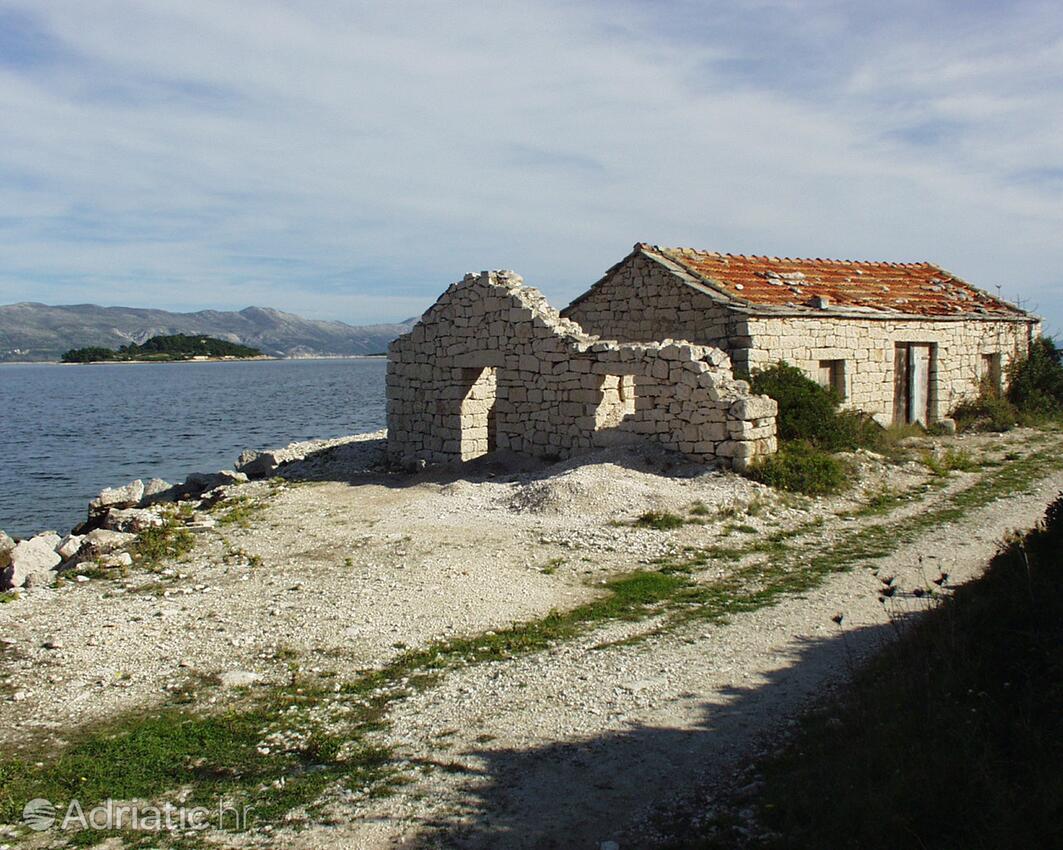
<point>920,289</point>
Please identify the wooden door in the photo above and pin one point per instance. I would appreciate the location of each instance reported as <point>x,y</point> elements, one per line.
<point>919,384</point>
<point>912,370</point>
<point>900,383</point>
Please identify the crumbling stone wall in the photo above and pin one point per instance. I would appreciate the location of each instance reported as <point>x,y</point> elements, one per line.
<point>492,365</point>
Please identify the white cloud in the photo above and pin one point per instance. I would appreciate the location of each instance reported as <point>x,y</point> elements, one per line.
<point>349,160</point>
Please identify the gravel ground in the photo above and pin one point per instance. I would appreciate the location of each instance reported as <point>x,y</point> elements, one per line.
<point>344,566</point>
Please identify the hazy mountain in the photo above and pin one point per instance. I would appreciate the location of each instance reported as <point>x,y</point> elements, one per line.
<point>39,332</point>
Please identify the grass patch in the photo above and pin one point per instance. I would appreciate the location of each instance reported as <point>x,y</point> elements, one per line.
<point>97,571</point>
<point>988,412</point>
<point>275,755</point>
<point>953,460</point>
<point>154,546</point>
<point>238,511</point>
<point>8,596</point>
<point>660,520</point>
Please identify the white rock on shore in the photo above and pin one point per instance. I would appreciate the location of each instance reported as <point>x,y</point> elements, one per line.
<point>70,546</point>
<point>353,453</point>
<point>128,496</point>
<point>31,561</point>
<point>131,520</point>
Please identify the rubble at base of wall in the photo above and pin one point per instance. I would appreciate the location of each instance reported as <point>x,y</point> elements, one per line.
<point>492,366</point>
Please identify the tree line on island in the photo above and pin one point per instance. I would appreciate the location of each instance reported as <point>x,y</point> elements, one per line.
<point>163,348</point>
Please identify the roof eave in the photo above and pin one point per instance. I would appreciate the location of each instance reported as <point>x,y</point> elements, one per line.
<point>770,312</point>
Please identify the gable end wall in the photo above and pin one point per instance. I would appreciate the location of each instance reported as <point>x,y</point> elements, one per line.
<point>640,300</point>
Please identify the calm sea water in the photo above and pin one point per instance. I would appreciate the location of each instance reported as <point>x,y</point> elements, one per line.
<point>68,431</point>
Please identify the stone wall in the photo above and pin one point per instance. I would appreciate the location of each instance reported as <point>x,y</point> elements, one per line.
<point>643,299</point>
<point>492,366</point>
<point>866,347</point>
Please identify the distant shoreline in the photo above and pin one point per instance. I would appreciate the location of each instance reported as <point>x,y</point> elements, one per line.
<point>206,360</point>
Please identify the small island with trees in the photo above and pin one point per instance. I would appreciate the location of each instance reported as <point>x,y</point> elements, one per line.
<point>176,347</point>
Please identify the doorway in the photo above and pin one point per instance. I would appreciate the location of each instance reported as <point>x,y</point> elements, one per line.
<point>617,403</point>
<point>479,419</point>
<point>914,366</point>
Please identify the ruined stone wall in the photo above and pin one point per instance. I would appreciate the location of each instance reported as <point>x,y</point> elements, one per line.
<point>866,346</point>
<point>492,365</point>
<point>642,300</point>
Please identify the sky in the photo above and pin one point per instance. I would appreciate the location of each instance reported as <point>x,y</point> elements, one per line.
<point>348,160</point>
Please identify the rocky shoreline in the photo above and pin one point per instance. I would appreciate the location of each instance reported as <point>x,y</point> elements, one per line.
<point>119,516</point>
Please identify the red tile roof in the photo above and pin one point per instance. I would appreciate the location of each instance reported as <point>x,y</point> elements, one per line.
<point>920,289</point>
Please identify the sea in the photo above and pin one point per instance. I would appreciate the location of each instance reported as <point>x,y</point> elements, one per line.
<point>68,431</point>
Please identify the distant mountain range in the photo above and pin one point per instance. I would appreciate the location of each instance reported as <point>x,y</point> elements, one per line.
<point>39,332</point>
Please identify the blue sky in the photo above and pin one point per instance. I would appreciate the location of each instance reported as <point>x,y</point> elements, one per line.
<point>348,159</point>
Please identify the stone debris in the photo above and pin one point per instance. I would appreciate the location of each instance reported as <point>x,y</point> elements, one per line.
<point>102,541</point>
<point>70,546</point>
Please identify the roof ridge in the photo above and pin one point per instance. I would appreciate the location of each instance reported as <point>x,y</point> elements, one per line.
<point>774,259</point>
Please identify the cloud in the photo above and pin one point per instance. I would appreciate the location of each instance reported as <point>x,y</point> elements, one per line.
<point>348,160</point>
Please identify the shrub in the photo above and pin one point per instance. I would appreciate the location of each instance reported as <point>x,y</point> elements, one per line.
<point>1035,383</point>
<point>802,468</point>
<point>988,412</point>
<point>808,411</point>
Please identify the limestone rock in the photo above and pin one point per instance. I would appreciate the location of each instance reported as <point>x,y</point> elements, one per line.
<point>70,546</point>
<point>258,464</point>
<point>755,407</point>
<point>34,557</point>
<point>103,541</point>
<point>116,559</point>
<point>199,482</point>
<point>157,491</point>
<point>131,520</point>
<point>128,496</point>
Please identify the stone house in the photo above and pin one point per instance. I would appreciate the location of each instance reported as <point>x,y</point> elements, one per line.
<point>903,341</point>
<point>492,366</point>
